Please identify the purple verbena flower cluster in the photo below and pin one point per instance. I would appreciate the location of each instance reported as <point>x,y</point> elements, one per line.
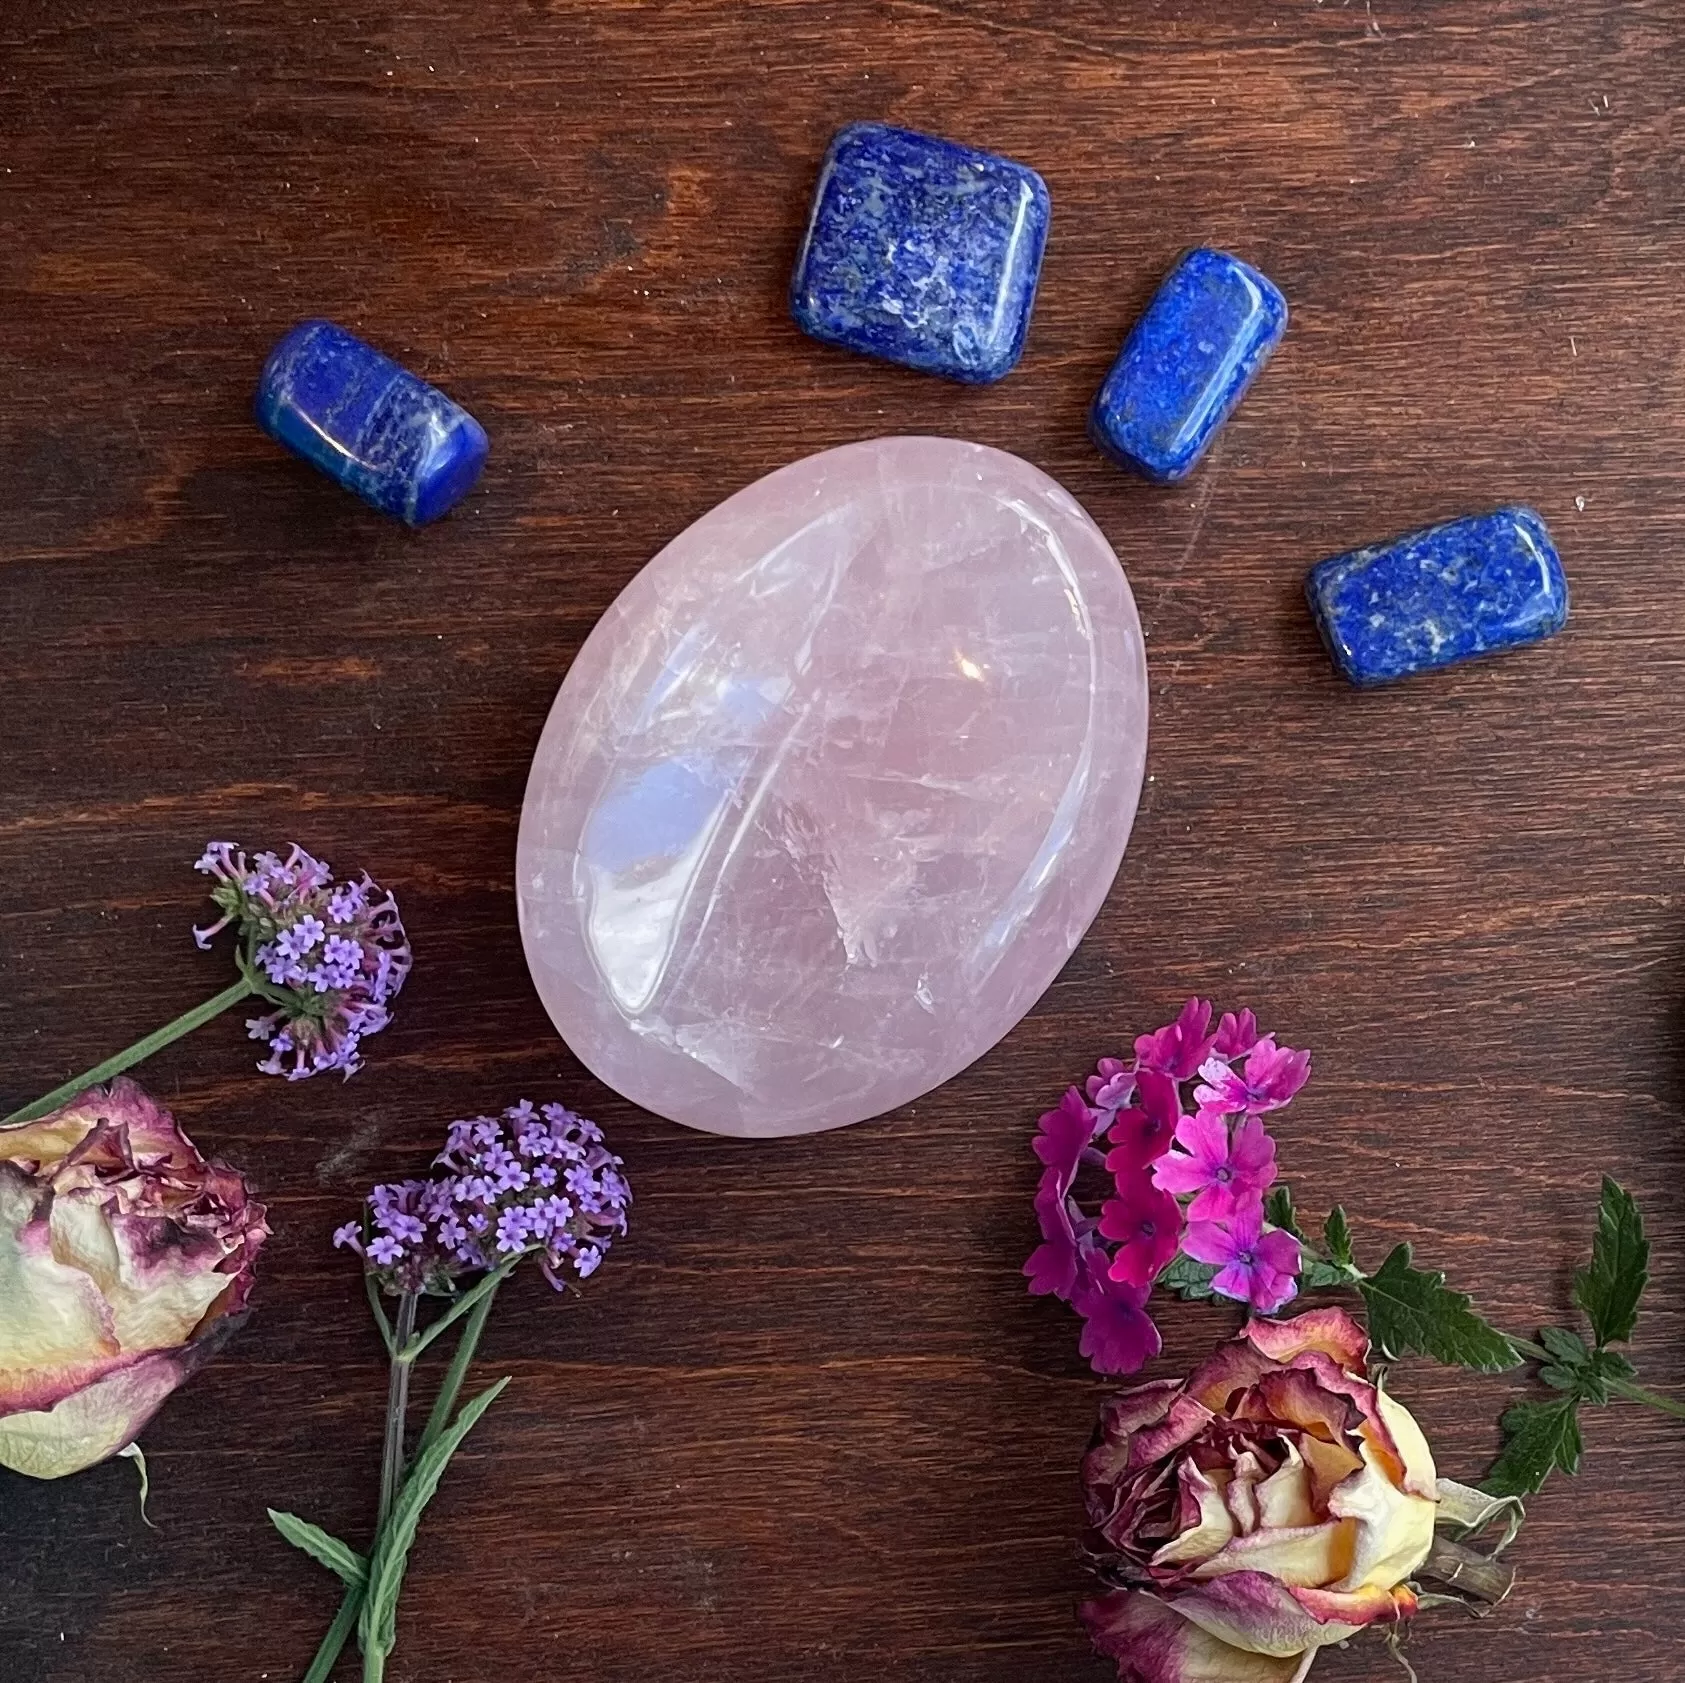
<point>330,956</point>
<point>1193,1184</point>
<point>533,1181</point>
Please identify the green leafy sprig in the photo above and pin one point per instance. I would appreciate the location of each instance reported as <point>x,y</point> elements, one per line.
<point>1412,1312</point>
<point>374,1581</point>
<point>1543,1437</point>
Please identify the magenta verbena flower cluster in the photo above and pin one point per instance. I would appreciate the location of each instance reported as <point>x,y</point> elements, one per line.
<point>537,1180</point>
<point>1181,1183</point>
<point>330,956</point>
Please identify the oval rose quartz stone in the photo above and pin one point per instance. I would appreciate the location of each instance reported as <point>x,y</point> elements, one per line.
<point>834,788</point>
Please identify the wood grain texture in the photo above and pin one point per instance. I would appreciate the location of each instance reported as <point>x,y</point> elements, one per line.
<point>807,1424</point>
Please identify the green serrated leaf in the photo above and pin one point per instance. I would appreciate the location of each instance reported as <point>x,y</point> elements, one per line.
<point>1567,1347</point>
<point>1539,1437</point>
<point>1279,1212</point>
<point>378,1626</point>
<point>1412,1312</point>
<point>1609,1289</point>
<point>1337,1235</point>
<point>1317,1275</point>
<point>1594,1377</point>
<point>339,1558</point>
<point>1562,1378</point>
<point>1189,1279</point>
<point>1612,1364</point>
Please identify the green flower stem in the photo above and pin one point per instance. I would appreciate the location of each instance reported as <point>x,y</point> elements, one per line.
<point>1619,1387</point>
<point>372,1287</point>
<point>397,1405</point>
<point>339,1633</point>
<point>392,1454</point>
<point>469,1300</point>
<point>477,1306</point>
<point>450,1387</point>
<point>140,1051</point>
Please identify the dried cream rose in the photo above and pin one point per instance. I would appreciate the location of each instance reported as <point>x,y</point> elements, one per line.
<point>1275,1503</point>
<point>124,1259</point>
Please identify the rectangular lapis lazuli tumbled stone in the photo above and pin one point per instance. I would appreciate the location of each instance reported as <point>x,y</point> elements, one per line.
<point>923,252</point>
<point>1186,364</point>
<point>1438,596</point>
<point>397,442</point>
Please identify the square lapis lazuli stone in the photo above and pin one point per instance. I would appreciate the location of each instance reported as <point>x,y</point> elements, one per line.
<point>1186,364</point>
<point>1438,596</point>
<point>923,252</point>
<point>397,442</point>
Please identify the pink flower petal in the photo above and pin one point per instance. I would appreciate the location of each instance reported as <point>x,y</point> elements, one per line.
<point>1222,1202</point>
<point>1234,1281</point>
<point>1252,1151</point>
<point>1247,1226</point>
<point>1271,1291</point>
<point>1117,1335</point>
<point>1112,1085</point>
<point>1052,1268</point>
<point>1236,1036</point>
<point>1205,1139</point>
<point>1177,1172</point>
<point>1064,1134</point>
<point>1159,1097</point>
<point>1178,1049</point>
<point>1148,1223</point>
<point>1280,1251</point>
<point>1209,1241</point>
<point>1140,1140</point>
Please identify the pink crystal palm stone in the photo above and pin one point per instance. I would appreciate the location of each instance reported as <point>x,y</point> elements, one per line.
<point>834,788</point>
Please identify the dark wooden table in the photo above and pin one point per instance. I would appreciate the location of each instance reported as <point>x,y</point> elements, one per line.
<point>807,1424</point>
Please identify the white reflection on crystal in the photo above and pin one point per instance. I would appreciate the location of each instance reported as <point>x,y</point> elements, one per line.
<point>649,839</point>
<point>1030,886</point>
<point>674,809</point>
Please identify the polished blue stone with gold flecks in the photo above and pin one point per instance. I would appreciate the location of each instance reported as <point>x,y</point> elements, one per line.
<point>1186,363</point>
<point>399,443</point>
<point>923,252</point>
<point>1441,595</point>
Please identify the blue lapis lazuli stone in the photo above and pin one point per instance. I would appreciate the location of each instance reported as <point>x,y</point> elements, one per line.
<point>1434,597</point>
<point>1186,364</point>
<point>923,252</point>
<point>399,443</point>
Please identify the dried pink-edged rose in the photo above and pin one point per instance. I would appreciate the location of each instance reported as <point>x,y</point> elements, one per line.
<point>1276,1502</point>
<point>125,1258</point>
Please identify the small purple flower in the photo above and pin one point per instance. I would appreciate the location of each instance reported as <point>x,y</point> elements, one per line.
<point>1066,1133</point>
<point>1053,1264</point>
<point>329,956</point>
<point>1267,1080</point>
<point>1256,1265</point>
<point>483,1206</point>
<point>1147,1223</point>
<point>1118,1335</point>
<point>1112,1085</point>
<point>1178,1049</point>
<point>1141,1133</point>
<point>1236,1036</point>
<point>1226,1174</point>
